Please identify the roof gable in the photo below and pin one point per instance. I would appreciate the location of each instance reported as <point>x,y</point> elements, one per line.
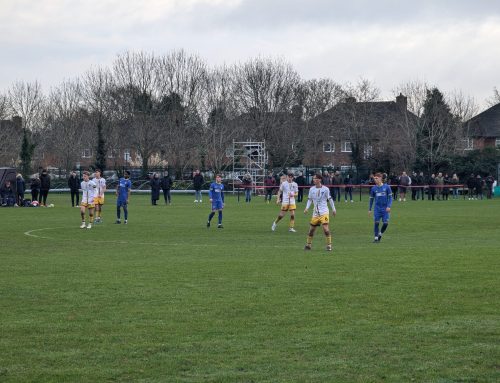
<point>485,124</point>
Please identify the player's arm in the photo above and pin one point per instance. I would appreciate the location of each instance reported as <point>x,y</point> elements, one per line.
<point>389,199</point>
<point>308,205</point>
<point>372,198</point>
<point>332,205</point>
<point>210,192</point>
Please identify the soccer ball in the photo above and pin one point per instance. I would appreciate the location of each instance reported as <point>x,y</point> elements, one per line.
<point>34,203</point>
<point>51,205</point>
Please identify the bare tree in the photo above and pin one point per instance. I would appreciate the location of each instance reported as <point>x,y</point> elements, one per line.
<point>265,90</point>
<point>495,98</point>
<point>181,81</point>
<point>26,100</point>
<point>218,108</point>
<point>68,123</point>
<point>317,96</point>
<point>134,74</point>
<point>363,91</point>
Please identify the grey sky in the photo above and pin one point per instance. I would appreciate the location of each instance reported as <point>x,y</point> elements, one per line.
<point>453,44</point>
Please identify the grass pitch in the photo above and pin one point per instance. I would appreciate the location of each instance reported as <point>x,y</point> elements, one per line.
<point>164,299</point>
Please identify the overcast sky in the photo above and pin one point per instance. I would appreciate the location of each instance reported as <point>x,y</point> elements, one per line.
<point>453,44</point>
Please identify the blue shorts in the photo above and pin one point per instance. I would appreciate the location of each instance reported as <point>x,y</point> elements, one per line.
<point>120,202</point>
<point>381,215</point>
<point>217,205</point>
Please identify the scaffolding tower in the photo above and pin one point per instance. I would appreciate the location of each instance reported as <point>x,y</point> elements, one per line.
<point>251,157</point>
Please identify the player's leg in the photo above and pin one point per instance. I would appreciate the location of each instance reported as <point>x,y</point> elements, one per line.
<point>376,225</point>
<point>125,212</point>
<point>211,215</point>
<point>91,217</point>
<point>328,236</point>
<point>279,217</point>
<point>310,236</point>
<point>385,224</point>
<point>82,214</point>
<point>118,212</point>
<point>219,225</point>
<point>291,226</point>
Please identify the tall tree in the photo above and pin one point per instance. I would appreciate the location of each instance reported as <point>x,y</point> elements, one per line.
<point>440,132</point>
<point>26,154</point>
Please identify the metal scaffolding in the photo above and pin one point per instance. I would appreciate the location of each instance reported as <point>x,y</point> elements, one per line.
<point>251,157</point>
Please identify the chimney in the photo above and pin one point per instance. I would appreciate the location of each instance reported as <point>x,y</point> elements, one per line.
<point>402,102</point>
<point>350,100</point>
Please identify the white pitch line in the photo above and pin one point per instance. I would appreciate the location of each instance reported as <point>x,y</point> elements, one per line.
<point>29,233</point>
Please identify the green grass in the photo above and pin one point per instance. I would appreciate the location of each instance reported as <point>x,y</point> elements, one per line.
<point>164,299</point>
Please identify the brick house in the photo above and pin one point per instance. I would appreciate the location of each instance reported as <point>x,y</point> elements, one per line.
<point>369,129</point>
<point>483,130</point>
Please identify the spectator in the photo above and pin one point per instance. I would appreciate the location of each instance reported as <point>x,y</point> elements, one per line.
<point>247,185</point>
<point>348,188</point>
<point>44,187</point>
<point>413,183</point>
<point>270,185</point>
<point>404,182</point>
<point>432,187</point>
<point>327,181</point>
<point>439,183</point>
<point>479,187</point>
<point>20,189</point>
<point>489,186</point>
<point>420,181</point>
<point>7,194</point>
<point>471,186</point>
<point>337,180</point>
<point>155,189</point>
<point>197,185</point>
<point>301,183</point>
<point>454,181</point>
<point>166,185</point>
<point>74,186</point>
<point>35,187</point>
<point>446,189</point>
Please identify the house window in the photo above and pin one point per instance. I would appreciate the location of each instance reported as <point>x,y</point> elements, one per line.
<point>113,153</point>
<point>346,147</point>
<point>328,147</point>
<point>497,143</point>
<point>126,155</point>
<point>367,151</point>
<point>469,144</point>
<point>86,153</point>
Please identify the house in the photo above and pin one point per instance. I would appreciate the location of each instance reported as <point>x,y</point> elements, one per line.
<point>483,130</point>
<point>354,132</point>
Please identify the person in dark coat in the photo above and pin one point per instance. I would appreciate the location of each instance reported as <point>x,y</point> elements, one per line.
<point>20,189</point>
<point>74,185</point>
<point>270,185</point>
<point>471,186</point>
<point>155,188</point>
<point>489,181</point>
<point>35,187</point>
<point>479,186</point>
<point>7,194</point>
<point>348,188</point>
<point>197,185</point>
<point>432,187</point>
<point>166,185</point>
<point>301,183</point>
<point>44,187</point>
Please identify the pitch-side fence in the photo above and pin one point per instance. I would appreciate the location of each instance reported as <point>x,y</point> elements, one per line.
<point>357,191</point>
